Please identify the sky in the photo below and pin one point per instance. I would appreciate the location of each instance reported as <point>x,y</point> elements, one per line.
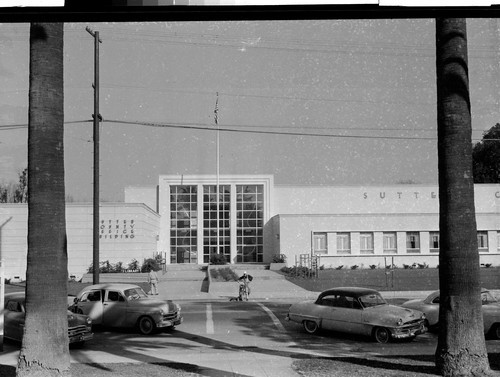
<point>312,102</point>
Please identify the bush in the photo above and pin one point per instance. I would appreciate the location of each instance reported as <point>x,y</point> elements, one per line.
<point>298,271</point>
<point>217,259</point>
<point>151,264</point>
<point>223,274</point>
<point>373,266</point>
<point>133,265</point>
<point>279,258</point>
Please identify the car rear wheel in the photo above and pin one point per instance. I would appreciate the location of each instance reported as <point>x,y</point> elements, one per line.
<point>381,335</point>
<point>311,327</point>
<point>495,331</point>
<point>146,325</point>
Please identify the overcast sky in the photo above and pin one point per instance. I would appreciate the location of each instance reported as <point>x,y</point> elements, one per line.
<point>358,98</point>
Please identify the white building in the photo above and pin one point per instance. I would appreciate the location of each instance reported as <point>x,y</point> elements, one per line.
<point>345,225</point>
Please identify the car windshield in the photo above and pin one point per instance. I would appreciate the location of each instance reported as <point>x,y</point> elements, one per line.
<point>373,299</point>
<point>134,293</point>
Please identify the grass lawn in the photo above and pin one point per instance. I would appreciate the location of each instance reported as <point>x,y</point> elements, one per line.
<point>425,279</point>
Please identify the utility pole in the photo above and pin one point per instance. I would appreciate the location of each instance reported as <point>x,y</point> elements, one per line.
<point>216,119</point>
<point>97,119</point>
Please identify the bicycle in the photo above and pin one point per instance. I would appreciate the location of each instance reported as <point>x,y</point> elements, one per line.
<point>243,292</point>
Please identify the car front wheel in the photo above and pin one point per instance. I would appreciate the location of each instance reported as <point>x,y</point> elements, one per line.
<point>146,325</point>
<point>381,335</point>
<point>311,327</point>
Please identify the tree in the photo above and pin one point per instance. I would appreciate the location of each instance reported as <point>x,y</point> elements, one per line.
<point>486,157</point>
<point>461,349</point>
<point>45,349</point>
<point>15,192</point>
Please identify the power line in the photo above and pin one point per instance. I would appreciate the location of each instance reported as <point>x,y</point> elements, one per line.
<point>237,129</point>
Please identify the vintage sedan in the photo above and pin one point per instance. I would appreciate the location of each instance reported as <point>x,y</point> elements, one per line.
<point>126,305</point>
<point>360,311</point>
<point>490,308</point>
<point>79,326</point>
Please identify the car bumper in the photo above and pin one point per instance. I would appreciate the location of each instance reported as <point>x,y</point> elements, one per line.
<point>170,323</point>
<point>408,333</point>
<point>81,338</point>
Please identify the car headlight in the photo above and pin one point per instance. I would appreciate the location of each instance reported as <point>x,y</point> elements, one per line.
<point>399,322</point>
<point>423,316</point>
<point>162,312</point>
<point>88,320</point>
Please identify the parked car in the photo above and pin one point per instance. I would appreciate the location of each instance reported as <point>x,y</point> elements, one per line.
<point>126,305</point>
<point>79,326</point>
<point>360,311</point>
<point>490,307</point>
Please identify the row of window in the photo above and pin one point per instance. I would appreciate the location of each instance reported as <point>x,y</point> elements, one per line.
<point>390,242</point>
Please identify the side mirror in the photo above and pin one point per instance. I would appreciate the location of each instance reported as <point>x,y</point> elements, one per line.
<point>75,300</point>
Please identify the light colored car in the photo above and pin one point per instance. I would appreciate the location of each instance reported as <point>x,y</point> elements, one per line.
<point>126,305</point>
<point>360,311</point>
<point>79,326</point>
<point>490,308</point>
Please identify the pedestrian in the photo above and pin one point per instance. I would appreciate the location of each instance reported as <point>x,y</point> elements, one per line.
<point>246,279</point>
<point>153,282</point>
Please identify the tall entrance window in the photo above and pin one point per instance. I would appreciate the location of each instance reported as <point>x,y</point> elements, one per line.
<point>183,224</point>
<point>210,222</point>
<point>249,223</point>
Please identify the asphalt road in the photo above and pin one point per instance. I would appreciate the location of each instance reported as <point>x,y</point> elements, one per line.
<point>217,335</point>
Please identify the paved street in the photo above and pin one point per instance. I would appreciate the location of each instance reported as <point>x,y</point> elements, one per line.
<point>234,338</point>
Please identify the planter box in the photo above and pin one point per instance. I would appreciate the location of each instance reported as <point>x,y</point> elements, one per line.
<point>277,266</point>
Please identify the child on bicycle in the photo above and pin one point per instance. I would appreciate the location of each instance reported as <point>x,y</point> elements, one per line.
<point>246,279</point>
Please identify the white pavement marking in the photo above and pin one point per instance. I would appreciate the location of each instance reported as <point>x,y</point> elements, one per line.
<point>210,320</point>
<point>277,323</point>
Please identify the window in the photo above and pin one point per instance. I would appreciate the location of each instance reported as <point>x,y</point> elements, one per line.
<point>343,243</point>
<point>366,243</point>
<point>434,241</point>
<point>482,240</point>
<point>216,207</point>
<point>319,243</point>
<point>249,223</point>
<point>390,243</point>
<point>183,224</point>
<point>413,242</point>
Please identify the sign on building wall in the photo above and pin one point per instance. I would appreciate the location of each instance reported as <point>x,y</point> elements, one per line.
<point>117,229</point>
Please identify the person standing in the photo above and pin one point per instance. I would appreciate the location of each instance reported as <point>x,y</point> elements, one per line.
<point>153,282</point>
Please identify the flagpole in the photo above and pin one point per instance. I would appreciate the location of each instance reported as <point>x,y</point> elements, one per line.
<point>218,167</point>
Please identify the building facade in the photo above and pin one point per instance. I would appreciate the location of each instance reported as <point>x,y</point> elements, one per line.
<point>249,219</point>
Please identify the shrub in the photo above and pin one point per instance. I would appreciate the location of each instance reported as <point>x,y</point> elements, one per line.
<point>150,264</point>
<point>223,274</point>
<point>133,265</point>
<point>354,267</point>
<point>423,265</point>
<point>279,258</point>
<point>373,266</point>
<point>298,271</point>
<point>339,267</point>
<point>216,258</point>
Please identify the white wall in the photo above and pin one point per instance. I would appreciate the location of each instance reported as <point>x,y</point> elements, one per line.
<point>128,231</point>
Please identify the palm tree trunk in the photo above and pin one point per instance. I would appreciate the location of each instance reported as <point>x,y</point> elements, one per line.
<point>461,349</point>
<point>45,350</point>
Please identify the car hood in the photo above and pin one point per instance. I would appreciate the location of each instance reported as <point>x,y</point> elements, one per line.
<point>76,319</point>
<point>154,303</point>
<point>412,303</point>
<point>397,312</point>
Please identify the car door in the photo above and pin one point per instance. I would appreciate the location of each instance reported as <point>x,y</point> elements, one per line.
<point>90,303</point>
<point>342,314</point>
<point>114,309</point>
<point>14,320</point>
